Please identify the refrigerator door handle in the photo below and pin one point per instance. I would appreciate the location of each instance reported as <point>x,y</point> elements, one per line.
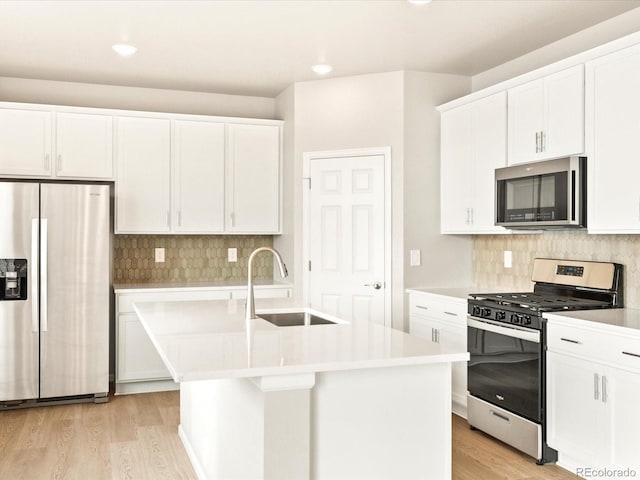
<point>34,275</point>
<point>43,275</point>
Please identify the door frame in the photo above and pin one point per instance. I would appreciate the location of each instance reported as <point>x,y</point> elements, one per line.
<point>307,157</point>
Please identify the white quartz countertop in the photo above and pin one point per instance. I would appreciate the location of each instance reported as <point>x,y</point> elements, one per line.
<point>201,340</point>
<point>455,292</point>
<point>217,284</point>
<point>614,320</point>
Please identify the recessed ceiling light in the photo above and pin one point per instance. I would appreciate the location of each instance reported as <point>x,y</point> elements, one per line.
<point>322,68</point>
<point>419,2</point>
<point>124,49</point>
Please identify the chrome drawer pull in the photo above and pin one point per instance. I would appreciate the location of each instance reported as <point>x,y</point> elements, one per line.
<point>571,341</point>
<point>421,307</point>
<point>631,354</point>
<point>451,313</point>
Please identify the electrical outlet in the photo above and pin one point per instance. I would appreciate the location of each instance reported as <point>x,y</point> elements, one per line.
<point>159,255</point>
<point>232,254</point>
<point>414,258</point>
<point>508,258</point>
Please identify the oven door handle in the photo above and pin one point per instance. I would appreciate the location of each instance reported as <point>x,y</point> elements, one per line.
<point>528,335</point>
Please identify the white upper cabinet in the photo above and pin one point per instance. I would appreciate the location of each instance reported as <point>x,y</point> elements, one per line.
<point>253,179</point>
<point>473,145</point>
<point>613,130</point>
<point>84,146</point>
<point>198,177</point>
<point>546,117</point>
<point>143,169</point>
<point>25,142</point>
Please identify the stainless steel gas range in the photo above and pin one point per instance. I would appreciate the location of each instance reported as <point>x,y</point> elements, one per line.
<point>507,342</point>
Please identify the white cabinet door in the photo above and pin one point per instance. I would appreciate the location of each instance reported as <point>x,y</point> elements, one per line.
<point>526,103</point>
<point>563,132</point>
<point>456,170</point>
<point>138,359</point>
<point>577,419</point>
<point>623,392</point>
<point>25,142</point>
<point>546,117</point>
<point>613,118</point>
<point>84,146</point>
<point>474,143</point>
<point>143,166</point>
<point>253,179</point>
<point>198,177</point>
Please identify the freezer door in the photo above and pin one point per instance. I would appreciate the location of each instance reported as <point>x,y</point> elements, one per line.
<point>74,303</point>
<point>19,318</point>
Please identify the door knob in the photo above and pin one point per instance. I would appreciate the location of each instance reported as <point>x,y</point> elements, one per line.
<point>376,285</point>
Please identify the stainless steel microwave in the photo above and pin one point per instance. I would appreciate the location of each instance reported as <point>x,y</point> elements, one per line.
<point>542,195</point>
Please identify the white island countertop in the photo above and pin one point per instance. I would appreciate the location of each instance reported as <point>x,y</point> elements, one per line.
<point>204,340</point>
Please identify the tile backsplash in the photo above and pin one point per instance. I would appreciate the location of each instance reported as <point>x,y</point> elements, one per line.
<point>489,271</point>
<point>188,258</point>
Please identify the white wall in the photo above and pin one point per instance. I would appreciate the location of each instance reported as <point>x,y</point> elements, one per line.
<point>612,29</point>
<point>285,243</point>
<point>446,259</point>
<point>133,98</point>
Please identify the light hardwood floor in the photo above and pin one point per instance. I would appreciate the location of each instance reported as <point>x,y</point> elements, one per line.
<point>134,437</point>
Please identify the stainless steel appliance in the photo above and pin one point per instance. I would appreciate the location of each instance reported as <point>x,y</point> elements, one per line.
<point>542,195</point>
<point>506,341</point>
<point>54,293</point>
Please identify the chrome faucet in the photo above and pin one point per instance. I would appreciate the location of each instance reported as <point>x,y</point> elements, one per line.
<point>251,305</point>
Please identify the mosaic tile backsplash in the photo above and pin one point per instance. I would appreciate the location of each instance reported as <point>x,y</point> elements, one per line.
<point>192,258</point>
<point>489,271</point>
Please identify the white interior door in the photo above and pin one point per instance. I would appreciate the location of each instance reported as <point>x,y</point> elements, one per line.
<point>346,235</point>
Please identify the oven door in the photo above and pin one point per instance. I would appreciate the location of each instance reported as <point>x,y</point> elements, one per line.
<point>505,367</point>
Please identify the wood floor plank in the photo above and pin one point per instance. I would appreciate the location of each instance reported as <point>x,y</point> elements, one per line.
<point>134,437</point>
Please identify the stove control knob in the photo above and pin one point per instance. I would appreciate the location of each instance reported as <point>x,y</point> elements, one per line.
<point>515,318</point>
<point>500,315</point>
<point>475,311</point>
<point>527,320</point>
<point>486,312</point>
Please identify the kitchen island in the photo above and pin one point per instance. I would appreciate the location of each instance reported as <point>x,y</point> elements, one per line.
<point>323,402</point>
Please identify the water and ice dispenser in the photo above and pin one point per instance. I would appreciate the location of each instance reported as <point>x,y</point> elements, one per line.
<point>13,279</point>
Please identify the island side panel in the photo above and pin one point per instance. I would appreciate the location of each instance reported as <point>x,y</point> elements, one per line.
<point>382,423</point>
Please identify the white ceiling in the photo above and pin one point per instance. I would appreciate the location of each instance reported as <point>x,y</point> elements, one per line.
<point>260,47</point>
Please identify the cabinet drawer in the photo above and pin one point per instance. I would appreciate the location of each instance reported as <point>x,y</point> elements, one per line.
<point>595,345</point>
<point>126,301</point>
<point>434,307</point>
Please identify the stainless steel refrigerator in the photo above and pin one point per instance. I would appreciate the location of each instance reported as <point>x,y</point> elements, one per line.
<point>54,292</point>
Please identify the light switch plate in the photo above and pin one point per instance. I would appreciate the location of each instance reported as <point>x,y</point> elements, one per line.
<point>508,258</point>
<point>232,254</point>
<point>415,258</point>
<point>159,255</point>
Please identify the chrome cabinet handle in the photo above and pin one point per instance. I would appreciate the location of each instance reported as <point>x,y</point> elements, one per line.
<point>537,142</point>
<point>570,341</point>
<point>422,307</point>
<point>501,417</point>
<point>34,274</point>
<point>376,285</point>
<point>631,354</point>
<point>433,335</point>
<point>543,147</point>
<point>596,386</point>
<point>44,320</point>
<point>451,313</point>
<point>604,389</point>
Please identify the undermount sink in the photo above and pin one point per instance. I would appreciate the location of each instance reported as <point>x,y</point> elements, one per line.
<point>293,319</point>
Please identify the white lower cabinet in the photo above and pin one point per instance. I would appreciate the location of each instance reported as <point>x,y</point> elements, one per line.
<point>139,367</point>
<point>443,320</point>
<point>593,389</point>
